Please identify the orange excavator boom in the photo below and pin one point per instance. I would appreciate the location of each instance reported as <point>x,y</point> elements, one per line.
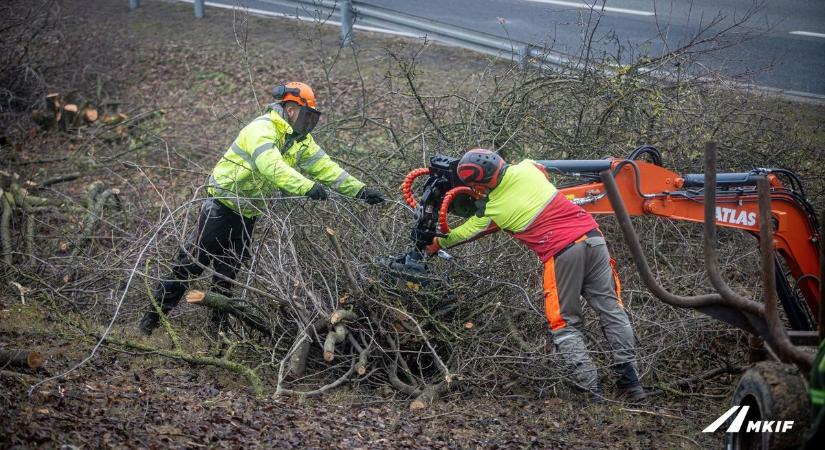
<point>649,189</point>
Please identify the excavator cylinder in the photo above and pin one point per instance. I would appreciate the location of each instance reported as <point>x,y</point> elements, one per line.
<point>735,179</point>
<point>593,166</point>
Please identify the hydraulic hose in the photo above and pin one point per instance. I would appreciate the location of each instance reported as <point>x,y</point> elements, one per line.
<point>444,227</point>
<point>406,186</point>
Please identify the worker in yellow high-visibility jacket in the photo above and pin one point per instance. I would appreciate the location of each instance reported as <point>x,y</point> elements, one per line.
<point>266,156</point>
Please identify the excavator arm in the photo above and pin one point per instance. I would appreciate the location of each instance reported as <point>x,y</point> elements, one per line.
<point>649,189</point>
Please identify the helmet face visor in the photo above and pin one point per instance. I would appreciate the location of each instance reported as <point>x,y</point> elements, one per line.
<point>306,121</point>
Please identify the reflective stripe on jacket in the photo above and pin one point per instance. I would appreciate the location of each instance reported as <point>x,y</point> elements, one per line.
<point>526,204</point>
<point>254,167</point>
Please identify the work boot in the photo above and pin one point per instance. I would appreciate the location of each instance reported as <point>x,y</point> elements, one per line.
<point>628,386</point>
<point>148,322</point>
<point>632,394</point>
<point>595,397</point>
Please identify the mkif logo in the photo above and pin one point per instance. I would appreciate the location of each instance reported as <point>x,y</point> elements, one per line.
<point>753,426</point>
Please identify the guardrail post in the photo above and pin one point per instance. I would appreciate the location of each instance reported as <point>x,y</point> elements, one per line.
<point>199,9</point>
<point>347,19</point>
<point>134,4</point>
<point>524,56</point>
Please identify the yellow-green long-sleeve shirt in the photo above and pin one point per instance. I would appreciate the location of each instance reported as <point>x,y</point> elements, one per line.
<point>257,164</point>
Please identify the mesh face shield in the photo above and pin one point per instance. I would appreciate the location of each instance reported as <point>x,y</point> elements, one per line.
<point>306,121</point>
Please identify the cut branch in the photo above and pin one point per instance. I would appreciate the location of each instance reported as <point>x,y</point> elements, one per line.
<point>429,395</point>
<point>227,305</point>
<point>342,315</point>
<point>334,337</point>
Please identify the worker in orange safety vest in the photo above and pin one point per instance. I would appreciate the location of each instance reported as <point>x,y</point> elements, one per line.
<point>522,201</point>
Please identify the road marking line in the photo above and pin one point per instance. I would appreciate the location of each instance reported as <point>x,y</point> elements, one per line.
<point>808,33</point>
<point>596,7</point>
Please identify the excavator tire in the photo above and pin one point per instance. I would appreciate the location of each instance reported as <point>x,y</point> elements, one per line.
<point>774,392</point>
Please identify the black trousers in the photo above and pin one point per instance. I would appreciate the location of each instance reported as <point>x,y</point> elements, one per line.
<point>222,238</point>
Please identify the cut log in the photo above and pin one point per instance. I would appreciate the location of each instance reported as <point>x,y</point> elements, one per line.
<point>71,116</point>
<point>334,337</point>
<point>428,396</point>
<point>361,365</point>
<point>26,359</point>
<point>90,115</point>
<point>53,102</point>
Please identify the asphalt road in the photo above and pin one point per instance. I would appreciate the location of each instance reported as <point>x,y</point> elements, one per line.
<point>781,45</point>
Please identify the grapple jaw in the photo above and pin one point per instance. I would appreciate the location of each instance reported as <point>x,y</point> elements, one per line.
<point>410,266</point>
<point>442,177</point>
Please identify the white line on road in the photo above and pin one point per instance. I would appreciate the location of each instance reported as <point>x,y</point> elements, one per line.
<point>596,7</point>
<point>808,33</point>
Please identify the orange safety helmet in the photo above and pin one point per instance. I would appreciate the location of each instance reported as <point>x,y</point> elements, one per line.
<point>295,91</point>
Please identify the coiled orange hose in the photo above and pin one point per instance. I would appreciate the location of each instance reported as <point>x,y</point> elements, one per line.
<point>406,186</point>
<point>445,205</point>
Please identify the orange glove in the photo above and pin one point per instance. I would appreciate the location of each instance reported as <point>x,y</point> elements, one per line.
<point>433,248</point>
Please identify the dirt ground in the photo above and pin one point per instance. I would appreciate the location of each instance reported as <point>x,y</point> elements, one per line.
<point>120,399</point>
<point>159,58</point>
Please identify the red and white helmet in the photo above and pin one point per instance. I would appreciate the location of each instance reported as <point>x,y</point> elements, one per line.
<point>481,168</point>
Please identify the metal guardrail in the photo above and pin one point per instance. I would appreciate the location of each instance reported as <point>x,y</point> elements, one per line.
<point>354,12</point>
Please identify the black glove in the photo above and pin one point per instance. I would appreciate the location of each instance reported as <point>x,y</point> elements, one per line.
<point>370,195</point>
<point>317,192</point>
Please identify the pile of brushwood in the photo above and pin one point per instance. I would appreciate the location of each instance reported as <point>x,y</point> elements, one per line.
<point>312,311</point>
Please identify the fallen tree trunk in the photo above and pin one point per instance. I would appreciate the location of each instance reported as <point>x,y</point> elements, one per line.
<point>20,358</point>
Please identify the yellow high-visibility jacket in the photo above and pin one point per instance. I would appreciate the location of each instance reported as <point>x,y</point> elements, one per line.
<point>255,165</point>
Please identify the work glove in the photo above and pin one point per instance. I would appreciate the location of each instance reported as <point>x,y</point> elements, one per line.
<point>317,192</point>
<point>433,248</point>
<point>370,195</point>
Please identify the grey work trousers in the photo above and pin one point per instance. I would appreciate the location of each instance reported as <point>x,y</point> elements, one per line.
<point>584,270</point>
